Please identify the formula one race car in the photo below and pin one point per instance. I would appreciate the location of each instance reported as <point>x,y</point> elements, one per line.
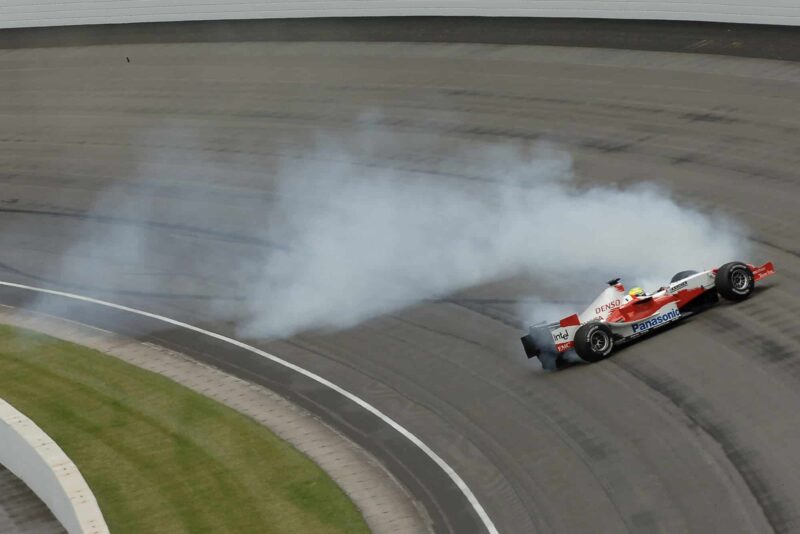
<point>616,317</point>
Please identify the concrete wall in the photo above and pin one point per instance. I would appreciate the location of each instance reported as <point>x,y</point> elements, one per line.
<point>24,13</point>
<point>37,460</point>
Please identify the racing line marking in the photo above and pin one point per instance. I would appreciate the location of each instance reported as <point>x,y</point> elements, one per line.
<point>457,480</point>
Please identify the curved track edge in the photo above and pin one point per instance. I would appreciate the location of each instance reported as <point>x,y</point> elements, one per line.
<point>455,523</point>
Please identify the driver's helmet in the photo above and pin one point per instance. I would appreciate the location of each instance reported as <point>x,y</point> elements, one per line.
<point>636,292</point>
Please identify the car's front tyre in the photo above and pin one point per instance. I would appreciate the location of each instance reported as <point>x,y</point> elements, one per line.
<point>681,275</point>
<point>734,281</point>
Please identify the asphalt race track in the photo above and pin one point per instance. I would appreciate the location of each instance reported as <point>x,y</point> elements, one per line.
<point>697,429</point>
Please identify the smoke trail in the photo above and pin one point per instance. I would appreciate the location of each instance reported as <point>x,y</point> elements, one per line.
<point>366,241</point>
<point>329,236</point>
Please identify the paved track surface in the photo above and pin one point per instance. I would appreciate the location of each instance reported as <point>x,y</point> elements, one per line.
<point>21,511</point>
<point>696,429</point>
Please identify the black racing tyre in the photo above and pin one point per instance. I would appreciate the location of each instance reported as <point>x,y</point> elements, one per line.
<point>681,275</point>
<point>593,342</point>
<point>734,281</point>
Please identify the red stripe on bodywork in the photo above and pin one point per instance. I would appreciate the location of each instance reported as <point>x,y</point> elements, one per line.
<point>572,320</point>
<point>687,295</point>
<point>638,309</point>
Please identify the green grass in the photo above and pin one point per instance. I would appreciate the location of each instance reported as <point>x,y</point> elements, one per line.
<point>160,457</point>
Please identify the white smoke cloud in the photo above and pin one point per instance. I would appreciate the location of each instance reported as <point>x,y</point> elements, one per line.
<point>366,241</point>
<point>344,231</point>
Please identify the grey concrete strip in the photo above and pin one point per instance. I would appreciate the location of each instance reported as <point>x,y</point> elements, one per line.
<point>386,506</point>
<point>21,511</point>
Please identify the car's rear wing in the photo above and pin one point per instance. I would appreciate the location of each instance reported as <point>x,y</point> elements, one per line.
<point>550,339</point>
<point>539,339</point>
<point>532,349</point>
<point>539,344</point>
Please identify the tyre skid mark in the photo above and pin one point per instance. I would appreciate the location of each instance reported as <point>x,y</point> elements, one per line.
<point>109,219</point>
<point>743,461</point>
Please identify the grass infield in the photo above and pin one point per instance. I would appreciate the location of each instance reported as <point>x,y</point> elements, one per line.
<point>160,457</point>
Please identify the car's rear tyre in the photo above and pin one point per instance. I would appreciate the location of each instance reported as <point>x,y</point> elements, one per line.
<point>734,281</point>
<point>593,342</point>
<point>681,275</point>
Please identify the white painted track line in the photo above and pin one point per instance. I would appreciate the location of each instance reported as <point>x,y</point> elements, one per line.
<point>457,480</point>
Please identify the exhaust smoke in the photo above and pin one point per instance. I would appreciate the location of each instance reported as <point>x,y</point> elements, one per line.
<point>364,241</point>
<point>330,236</point>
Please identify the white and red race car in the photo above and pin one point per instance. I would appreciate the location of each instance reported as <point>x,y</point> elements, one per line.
<point>616,317</point>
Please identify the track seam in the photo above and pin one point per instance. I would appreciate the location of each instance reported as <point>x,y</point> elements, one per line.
<point>773,512</point>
